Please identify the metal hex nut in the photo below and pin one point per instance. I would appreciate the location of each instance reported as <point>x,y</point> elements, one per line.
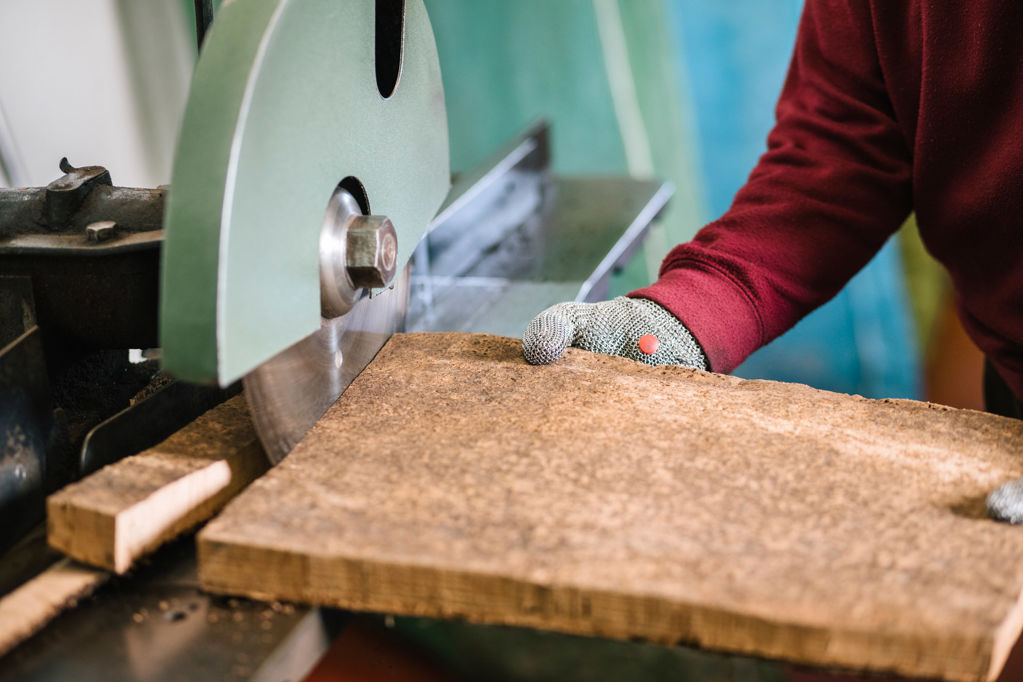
<point>371,253</point>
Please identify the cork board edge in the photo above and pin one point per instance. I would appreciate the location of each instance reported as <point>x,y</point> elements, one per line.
<point>358,584</point>
<point>131,540</point>
<point>1005,639</point>
<point>87,535</point>
<point>27,609</point>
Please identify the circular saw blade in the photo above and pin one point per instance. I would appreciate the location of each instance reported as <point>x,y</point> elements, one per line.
<point>286,103</point>
<point>291,391</point>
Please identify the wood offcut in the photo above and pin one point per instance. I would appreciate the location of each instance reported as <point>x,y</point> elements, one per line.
<point>27,608</point>
<point>128,509</point>
<point>603,497</point>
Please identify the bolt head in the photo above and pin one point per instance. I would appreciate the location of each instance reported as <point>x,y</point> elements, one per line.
<point>101,230</point>
<point>371,253</point>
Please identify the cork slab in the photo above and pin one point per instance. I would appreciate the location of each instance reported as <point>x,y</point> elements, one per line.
<point>603,497</point>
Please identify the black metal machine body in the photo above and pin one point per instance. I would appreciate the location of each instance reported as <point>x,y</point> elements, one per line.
<point>79,276</point>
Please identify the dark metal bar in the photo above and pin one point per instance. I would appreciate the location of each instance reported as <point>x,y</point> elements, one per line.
<point>23,213</point>
<point>203,19</point>
<point>148,421</point>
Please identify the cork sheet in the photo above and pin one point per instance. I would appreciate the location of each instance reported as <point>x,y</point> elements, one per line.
<point>603,497</point>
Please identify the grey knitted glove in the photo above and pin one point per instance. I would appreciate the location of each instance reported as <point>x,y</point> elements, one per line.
<point>1006,502</point>
<point>612,327</point>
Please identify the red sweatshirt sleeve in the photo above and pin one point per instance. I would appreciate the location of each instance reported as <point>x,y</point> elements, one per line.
<point>834,184</point>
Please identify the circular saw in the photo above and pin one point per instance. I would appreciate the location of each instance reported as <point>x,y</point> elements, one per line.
<point>312,157</point>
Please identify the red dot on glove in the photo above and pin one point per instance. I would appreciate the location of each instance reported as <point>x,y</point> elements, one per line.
<point>649,344</point>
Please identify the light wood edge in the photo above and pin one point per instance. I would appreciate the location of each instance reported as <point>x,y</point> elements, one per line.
<point>1005,639</point>
<point>365,585</point>
<point>84,534</point>
<point>26,609</point>
<point>116,540</point>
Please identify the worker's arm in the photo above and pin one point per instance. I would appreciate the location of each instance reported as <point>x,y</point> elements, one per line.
<point>834,184</point>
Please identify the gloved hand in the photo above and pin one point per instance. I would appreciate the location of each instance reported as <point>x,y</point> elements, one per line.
<point>633,328</point>
<point>1005,503</point>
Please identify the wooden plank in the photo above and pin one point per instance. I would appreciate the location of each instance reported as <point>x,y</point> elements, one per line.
<point>130,508</point>
<point>26,609</point>
<point>603,497</point>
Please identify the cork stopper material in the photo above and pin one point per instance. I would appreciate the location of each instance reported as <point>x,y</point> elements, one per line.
<point>604,497</point>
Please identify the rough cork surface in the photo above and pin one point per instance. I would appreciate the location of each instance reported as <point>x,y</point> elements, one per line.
<point>129,508</point>
<point>604,497</point>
